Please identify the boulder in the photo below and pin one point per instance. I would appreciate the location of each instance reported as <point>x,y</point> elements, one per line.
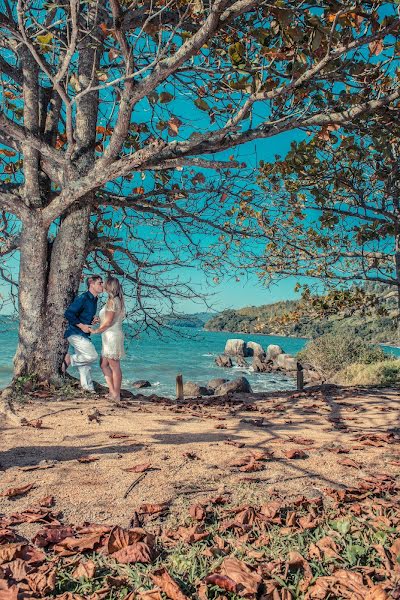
<point>254,349</point>
<point>141,383</point>
<point>285,362</point>
<point>235,348</point>
<point>193,390</point>
<point>237,385</point>
<point>240,361</point>
<point>214,383</point>
<point>262,364</point>
<point>273,351</point>
<point>223,361</point>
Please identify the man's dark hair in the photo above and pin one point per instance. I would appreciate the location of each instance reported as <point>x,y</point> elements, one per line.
<point>91,279</point>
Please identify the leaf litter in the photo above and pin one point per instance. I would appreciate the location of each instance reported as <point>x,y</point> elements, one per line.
<point>342,544</point>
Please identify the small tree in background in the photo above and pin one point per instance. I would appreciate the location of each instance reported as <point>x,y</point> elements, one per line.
<point>333,213</point>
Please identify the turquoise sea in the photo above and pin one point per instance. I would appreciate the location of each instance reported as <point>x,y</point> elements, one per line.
<point>158,358</point>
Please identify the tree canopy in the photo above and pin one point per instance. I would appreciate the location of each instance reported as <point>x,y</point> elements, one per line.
<point>335,213</point>
<point>114,114</point>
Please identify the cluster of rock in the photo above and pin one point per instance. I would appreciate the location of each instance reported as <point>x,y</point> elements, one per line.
<point>216,387</point>
<point>264,361</point>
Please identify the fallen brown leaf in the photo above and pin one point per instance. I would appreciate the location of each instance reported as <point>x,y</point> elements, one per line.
<point>247,581</point>
<point>252,466</point>
<point>152,509</point>
<point>138,468</point>
<point>47,501</point>
<point>163,580</point>
<point>222,581</point>
<point>87,459</point>
<point>54,535</point>
<point>85,569</point>
<point>42,582</point>
<point>295,454</point>
<point>197,512</point>
<point>138,552</point>
<point>17,491</point>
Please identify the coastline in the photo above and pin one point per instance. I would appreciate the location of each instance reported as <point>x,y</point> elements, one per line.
<point>294,337</point>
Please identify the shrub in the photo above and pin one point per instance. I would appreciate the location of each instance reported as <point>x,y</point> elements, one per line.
<point>331,353</point>
<point>385,372</point>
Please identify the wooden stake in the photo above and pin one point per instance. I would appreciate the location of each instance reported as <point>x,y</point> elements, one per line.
<point>300,378</point>
<point>179,388</point>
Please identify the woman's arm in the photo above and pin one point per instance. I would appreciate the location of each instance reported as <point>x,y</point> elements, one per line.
<point>108,321</point>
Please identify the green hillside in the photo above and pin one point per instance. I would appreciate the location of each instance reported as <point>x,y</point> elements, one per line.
<point>268,319</point>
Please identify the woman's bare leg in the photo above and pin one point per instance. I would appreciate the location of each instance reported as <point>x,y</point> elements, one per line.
<point>108,374</point>
<point>116,377</point>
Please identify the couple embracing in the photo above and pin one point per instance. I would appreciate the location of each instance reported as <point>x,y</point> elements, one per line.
<point>81,317</point>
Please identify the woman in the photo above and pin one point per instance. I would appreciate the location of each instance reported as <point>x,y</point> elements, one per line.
<point>111,316</point>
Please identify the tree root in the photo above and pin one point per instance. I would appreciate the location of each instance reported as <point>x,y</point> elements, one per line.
<point>8,412</point>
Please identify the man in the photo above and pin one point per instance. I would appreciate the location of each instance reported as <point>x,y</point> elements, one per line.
<point>80,315</point>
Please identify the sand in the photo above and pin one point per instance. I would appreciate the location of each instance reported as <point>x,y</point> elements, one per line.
<point>187,449</point>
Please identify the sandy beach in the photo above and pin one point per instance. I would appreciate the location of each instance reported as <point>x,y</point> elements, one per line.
<point>80,451</point>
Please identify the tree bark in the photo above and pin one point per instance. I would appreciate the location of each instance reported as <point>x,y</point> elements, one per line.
<point>397,270</point>
<point>67,260</point>
<point>30,357</point>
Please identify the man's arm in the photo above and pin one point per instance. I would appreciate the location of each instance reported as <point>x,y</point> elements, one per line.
<point>72,314</point>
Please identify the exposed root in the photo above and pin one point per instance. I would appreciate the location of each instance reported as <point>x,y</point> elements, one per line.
<point>8,412</point>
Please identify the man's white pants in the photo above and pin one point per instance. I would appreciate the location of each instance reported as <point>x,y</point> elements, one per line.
<point>85,355</point>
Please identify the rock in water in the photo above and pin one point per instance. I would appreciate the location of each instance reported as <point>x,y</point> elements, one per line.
<point>240,361</point>
<point>235,347</point>
<point>237,385</point>
<point>285,362</point>
<point>141,383</point>
<point>223,361</point>
<point>254,349</point>
<point>192,389</point>
<point>273,351</point>
<point>262,364</point>
<point>214,383</point>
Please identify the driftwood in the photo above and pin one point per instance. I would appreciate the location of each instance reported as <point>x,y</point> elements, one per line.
<point>134,483</point>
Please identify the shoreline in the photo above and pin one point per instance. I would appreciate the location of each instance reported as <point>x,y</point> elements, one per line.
<point>292,337</point>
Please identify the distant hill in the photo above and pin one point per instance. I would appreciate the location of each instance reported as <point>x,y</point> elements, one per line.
<point>265,320</point>
<point>196,320</point>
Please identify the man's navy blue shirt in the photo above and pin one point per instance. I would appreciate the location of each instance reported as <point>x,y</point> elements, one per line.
<point>82,310</point>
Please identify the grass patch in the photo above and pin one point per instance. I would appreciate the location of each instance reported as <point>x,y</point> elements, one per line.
<point>384,373</point>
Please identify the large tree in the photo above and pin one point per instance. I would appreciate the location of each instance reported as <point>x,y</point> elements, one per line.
<point>97,95</point>
<point>335,214</point>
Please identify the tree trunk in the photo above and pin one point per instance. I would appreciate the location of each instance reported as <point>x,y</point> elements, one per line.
<point>397,269</point>
<point>33,272</point>
<point>67,261</point>
<point>49,279</point>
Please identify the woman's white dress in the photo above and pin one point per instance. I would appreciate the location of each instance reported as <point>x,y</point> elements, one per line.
<point>113,337</point>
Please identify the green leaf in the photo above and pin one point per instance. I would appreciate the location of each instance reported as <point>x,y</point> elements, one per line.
<point>236,53</point>
<point>201,104</point>
<point>44,41</point>
<point>341,525</point>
